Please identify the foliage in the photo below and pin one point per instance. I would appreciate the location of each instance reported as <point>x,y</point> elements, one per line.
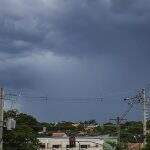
<point>112,145</point>
<point>130,130</point>
<point>147,147</point>
<point>107,129</point>
<point>23,137</point>
<point>66,126</point>
<point>90,122</point>
<point>109,145</point>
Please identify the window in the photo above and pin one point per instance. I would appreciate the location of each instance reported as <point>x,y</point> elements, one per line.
<point>56,146</point>
<point>67,147</point>
<point>42,145</point>
<point>84,146</point>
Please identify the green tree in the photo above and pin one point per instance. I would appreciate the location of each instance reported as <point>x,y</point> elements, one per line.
<point>23,137</point>
<point>147,147</point>
<point>28,120</point>
<point>108,128</point>
<point>112,145</point>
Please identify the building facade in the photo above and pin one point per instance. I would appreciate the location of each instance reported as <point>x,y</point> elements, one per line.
<point>62,143</point>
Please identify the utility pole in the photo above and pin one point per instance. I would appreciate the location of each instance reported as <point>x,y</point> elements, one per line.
<point>118,121</point>
<point>1,116</point>
<point>141,99</point>
<point>7,96</point>
<point>144,115</point>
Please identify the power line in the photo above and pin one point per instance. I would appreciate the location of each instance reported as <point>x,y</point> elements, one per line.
<point>142,99</point>
<point>119,119</point>
<point>127,111</point>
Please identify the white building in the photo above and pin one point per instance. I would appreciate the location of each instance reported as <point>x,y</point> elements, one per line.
<point>62,143</point>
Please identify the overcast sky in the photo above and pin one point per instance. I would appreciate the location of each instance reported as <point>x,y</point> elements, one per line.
<point>75,48</point>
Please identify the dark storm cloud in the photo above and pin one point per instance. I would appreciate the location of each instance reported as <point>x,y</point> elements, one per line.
<point>74,48</point>
<point>73,27</point>
<point>132,7</point>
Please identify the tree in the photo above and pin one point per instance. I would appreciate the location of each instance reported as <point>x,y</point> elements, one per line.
<point>109,145</point>
<point>90,122</point>
<point>28,120</point>
<point>107,129</point>
<point>23,137</point>
<point>112,145</point>
<point>147,147</point>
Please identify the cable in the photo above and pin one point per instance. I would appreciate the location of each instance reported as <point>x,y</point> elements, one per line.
<point>126,112</point>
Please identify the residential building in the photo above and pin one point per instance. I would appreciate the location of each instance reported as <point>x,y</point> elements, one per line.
<point>62,143</point>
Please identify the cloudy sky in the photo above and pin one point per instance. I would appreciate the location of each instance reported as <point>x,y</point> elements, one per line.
<point>72,49</point>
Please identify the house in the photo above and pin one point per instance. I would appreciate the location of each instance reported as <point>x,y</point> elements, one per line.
<point>135,146</point>
<point>62,143</point>
<point>59,134</point>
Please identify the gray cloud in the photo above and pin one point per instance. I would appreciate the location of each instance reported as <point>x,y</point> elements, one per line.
<point>69,27</point>
<point>74,48</point>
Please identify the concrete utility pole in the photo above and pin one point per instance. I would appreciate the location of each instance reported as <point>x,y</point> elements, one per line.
<point>141,99</point>
<point>144,116</point>
<point>1,117</point>
<point>118,121</point>
<point>11,123</point>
